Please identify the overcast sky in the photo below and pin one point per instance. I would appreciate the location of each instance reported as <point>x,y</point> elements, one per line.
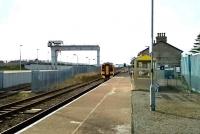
<point>120,27</point>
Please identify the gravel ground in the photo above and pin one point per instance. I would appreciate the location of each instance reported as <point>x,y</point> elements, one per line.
<point>177,112</point>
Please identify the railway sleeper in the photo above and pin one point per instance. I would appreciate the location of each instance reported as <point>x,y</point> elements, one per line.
<point>3,111</point>
<point>9,109</point>
<point>15,107</point>
<point>19,106</point>
<point>8,117</point>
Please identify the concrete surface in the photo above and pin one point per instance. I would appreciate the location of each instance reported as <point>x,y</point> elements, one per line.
<point>177,112</point>
<point>105,110</point>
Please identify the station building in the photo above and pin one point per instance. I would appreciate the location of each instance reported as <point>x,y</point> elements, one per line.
<point>164,53</point>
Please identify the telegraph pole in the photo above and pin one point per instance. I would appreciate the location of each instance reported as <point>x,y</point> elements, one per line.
<point>152,90</point>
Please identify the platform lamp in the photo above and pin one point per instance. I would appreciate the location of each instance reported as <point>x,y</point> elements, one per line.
<point>88,63</point>
<point>76,61</point>
<point>94,60</point>
<point>152,90</point>
<point>37,57</point>
<point>87,59</point>
<point>20,57</point>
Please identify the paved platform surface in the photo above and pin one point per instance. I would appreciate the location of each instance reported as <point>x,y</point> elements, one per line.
<point>177,112</point>
<point>105,110</point>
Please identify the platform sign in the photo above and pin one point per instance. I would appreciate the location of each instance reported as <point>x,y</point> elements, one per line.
<point>162,67</point>
<point>178,69</point>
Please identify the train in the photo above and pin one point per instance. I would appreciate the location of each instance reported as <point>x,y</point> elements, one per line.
<point>107,70</point>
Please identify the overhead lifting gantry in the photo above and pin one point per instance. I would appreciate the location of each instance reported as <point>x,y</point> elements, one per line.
<point>57,46</point>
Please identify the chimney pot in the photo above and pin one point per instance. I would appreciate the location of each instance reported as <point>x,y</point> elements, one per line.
<point>161,37</point>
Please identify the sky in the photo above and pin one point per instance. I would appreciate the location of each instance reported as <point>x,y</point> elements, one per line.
<point>122,28</point>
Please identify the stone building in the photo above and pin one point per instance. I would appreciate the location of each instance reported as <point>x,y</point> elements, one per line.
<point>164,53</point>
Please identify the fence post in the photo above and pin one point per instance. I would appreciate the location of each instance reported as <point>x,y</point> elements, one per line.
<point>1,79</point>
<point>189,67</point>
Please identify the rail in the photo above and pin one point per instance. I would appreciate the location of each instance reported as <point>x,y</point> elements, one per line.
<point>14,109</point>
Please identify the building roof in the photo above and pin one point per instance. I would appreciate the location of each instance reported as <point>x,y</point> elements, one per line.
<point>141,52</point>
<point>143,58</point>
<point>157,44</point>
<point>168,45</point>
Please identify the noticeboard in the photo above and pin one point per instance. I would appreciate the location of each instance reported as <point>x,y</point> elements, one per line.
<point>162,67</point>
<point>169,74</point>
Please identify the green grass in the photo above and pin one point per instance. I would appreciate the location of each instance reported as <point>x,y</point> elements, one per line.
<point>13,67</point>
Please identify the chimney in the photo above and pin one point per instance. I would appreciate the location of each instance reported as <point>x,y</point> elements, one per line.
<point>161,37</point>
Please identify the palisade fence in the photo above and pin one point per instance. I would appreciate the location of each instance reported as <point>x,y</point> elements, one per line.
<point>43,80</point>
<point>190,69</point>
<point>187,77</point>
<point>168,77</point>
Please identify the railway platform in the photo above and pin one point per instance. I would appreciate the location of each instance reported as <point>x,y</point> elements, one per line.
<point>104,110</point>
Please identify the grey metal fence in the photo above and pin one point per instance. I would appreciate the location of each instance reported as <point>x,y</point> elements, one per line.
<point>43,80</point>
<point>168,77</point>
<point>190,65</point>
<point>13,78</point>
<point>1,80</point>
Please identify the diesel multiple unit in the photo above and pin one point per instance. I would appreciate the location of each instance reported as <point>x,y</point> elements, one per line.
<point>107,70</point>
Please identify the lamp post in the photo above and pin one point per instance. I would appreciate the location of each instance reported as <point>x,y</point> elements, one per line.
<point>152,91</point>
<point>76,61</point>
<point>20,57</point>
<point>88,63</point>
<point>88,60</point>
<point>94,61</point>
<point>37,57</point>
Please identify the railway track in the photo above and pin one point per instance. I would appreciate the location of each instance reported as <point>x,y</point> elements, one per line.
<point>13,109</point>
<point>14,90</point>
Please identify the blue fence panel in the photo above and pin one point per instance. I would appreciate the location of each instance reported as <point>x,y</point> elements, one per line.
<point>1,80</point>
<point>50,79</point>
<point>190,66</point>
<point>195,72</point>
